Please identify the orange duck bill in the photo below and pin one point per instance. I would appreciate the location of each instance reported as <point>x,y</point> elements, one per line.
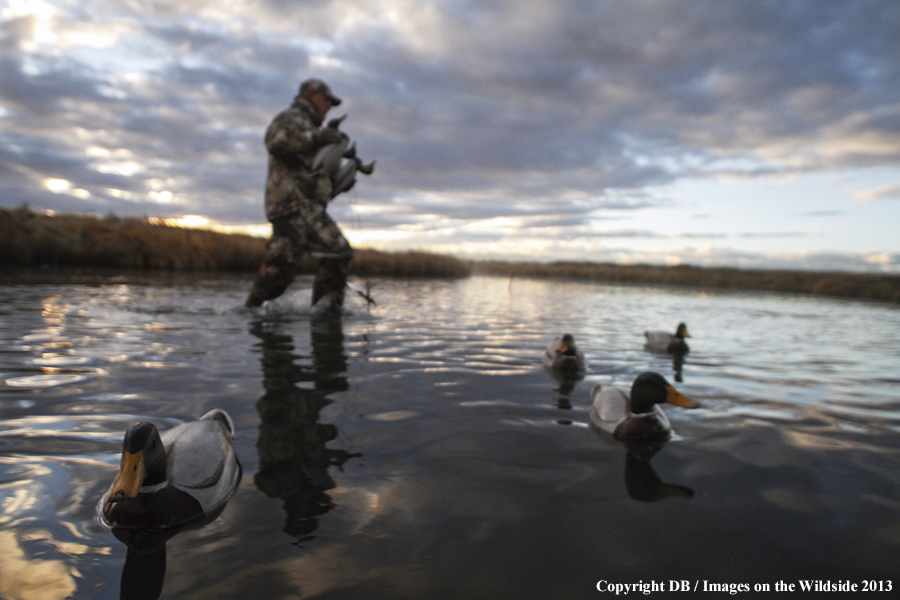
<point>675,397</point>
<point>130,479</point>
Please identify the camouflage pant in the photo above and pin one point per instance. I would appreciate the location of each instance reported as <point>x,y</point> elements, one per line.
<point>309,230</point>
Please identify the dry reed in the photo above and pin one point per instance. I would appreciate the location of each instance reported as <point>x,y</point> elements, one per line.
<point>31,238</point>
<point>835,284</point>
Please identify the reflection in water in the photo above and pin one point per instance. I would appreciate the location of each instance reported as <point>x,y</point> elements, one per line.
<point>564,393</point>
<point>38,579</point>
<point>567,379</point>
<point>678,365</point>
<point>293,459</point>
<point>795,454</point>
<point>641,480</point>
<point>644,485</point>
<point>145,561</point>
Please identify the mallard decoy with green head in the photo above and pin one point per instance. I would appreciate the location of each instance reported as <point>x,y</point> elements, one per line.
<point>636,414</point>
<point>563,358</point>
<point>164,481</point>
<point>662,341</point>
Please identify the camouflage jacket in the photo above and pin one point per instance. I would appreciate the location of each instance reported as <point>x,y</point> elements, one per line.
<point>292,139</point>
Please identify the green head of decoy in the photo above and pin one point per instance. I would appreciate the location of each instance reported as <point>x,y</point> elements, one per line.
<point>651,388</point>
<point>567,345</point>
<point>143,462</point>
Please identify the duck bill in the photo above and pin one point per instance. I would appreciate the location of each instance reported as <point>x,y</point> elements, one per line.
<point>563,348</point>
<point>131,477</point>
<point>675,397</point>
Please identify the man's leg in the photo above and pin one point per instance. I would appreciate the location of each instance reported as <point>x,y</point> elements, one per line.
<point>273,278</point>
<point>277,271</point>
<point>331,278</point>
<point>334,267</point>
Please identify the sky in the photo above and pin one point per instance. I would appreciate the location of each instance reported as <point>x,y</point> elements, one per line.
<point>749,133</point>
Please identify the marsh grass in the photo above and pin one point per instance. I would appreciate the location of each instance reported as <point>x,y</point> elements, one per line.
<point>409,264</point>
<point>834,284</point>
<point>29,238</point>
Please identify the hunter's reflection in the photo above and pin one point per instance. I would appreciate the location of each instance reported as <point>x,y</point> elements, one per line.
<point>293,457</point>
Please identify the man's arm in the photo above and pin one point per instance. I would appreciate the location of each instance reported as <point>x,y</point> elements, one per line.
<point>288,137</point>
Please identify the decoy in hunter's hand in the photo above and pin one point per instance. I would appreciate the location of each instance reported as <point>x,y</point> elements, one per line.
<point>661,341</point>
<point>329,161</point>
<point>563,358</point>
<point>187,473</point>
<point>637,414</point>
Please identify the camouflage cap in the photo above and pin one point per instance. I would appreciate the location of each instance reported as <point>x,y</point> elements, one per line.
<point>319,86</point>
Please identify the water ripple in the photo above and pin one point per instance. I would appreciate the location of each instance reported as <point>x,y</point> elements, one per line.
<point>45,380</point>
<point>440,396</point>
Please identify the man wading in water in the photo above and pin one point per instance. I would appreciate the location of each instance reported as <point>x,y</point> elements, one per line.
<point>305,173</point>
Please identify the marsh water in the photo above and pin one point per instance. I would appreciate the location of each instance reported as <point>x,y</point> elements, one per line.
<point>417,448</point>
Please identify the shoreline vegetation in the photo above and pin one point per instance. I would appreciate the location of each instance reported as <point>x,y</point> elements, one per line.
<point>29,238</point>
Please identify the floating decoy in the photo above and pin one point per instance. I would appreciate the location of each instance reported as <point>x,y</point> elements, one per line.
<point>563,358</point>
<point>662,341</point>
<point>636,414</point>
<point>187,473</point>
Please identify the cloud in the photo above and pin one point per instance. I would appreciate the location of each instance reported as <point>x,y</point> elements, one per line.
<point>879,193</point>
<point>553,115</point>
<point>819,213</point>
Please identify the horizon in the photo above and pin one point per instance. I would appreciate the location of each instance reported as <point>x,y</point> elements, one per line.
<point>728,135</point>
<point>193,223</point>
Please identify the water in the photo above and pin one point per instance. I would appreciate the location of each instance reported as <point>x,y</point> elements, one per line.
<point>418,449</point>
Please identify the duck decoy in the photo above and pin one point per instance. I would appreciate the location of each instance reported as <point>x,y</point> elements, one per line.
<point>564,359</point>
<point>329,161</point>
<point>184,475</point>
<point>662,341</point>
<point>328,158</point>
<point>637,414</point>
<point>345,178</point>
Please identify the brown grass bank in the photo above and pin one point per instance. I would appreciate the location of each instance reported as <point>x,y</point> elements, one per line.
<point>29,238</point>
<point>834,284</point>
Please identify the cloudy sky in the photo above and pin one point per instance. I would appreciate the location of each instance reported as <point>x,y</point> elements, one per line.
<point>738,132</point>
